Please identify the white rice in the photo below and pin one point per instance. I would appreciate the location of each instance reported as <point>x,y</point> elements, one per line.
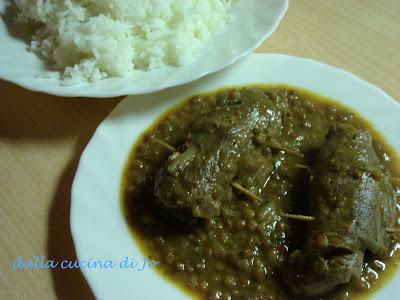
<point>94,39</point>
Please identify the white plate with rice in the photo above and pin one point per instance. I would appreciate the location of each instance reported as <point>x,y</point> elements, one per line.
<point>98,226</point>
<point>105,48</point>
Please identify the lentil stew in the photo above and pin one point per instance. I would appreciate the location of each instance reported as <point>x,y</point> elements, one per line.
<point>265,192</point>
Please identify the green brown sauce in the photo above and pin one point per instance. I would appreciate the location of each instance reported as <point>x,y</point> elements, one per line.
<point>236,255</point>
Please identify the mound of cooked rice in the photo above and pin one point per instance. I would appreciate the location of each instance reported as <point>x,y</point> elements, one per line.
<point>94,39</point>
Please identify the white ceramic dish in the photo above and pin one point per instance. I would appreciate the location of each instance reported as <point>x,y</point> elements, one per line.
<point>254,21</point>
<point>97,224</point>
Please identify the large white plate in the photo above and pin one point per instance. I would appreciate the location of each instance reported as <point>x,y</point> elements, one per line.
<point>97,224</point>
<point>254,21</point>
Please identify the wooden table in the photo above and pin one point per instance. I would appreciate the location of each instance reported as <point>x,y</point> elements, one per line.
<point>42,136</point>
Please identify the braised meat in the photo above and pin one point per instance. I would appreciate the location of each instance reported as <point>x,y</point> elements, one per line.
<point>354,203</point>
<point>197,181</point>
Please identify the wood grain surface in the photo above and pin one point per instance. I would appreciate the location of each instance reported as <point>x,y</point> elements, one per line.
<point>42,136</point>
